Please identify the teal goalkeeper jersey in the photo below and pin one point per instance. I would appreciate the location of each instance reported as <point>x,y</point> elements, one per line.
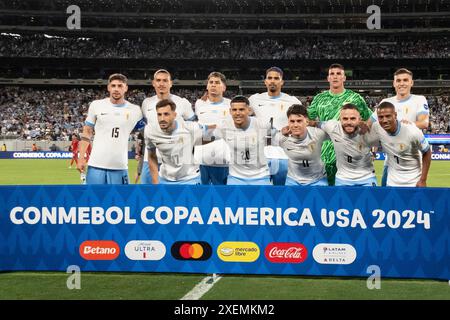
<point>327,106</point>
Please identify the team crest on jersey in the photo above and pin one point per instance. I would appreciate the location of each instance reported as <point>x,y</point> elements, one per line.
<point>312,146</point>
<point>402,146</point>
<point>406,110</point>
<point>360,146</point>
<point>127,115</point>
<point>181,140</point>
<point>281,107</point>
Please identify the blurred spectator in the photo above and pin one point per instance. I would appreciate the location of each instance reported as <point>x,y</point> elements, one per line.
<point>311,47</point>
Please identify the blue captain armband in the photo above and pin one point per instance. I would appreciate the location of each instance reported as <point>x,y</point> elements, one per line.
<point>140,125</point>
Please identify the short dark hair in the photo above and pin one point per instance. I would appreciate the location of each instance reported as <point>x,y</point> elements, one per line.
<point>161,71</point>
<point>298,110</point>
<point>386,105</point>
<point>166,102</point>
<point>336,66</point>
<point>403,71</point>
<point>219,75</point>
<point>349,106</point>
<point>117,76</point>
<point>239,99</point>
<point>275,69</point>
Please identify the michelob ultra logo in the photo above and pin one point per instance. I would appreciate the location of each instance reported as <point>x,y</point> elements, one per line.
<point>191,250</point>
<point>145,250</point>
<point>99,250</point>
<point>238,251</point>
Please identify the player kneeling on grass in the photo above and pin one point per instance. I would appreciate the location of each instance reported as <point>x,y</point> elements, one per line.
<point>354,159</point>
<point>175,140</point>
<point>303,146</point>
<point>409,154</point>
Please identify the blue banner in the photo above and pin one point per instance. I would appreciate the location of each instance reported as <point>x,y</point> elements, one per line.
<point>35,155</point>
<point>335,231</point>
<point>43,155</point>
<point>434,156</point>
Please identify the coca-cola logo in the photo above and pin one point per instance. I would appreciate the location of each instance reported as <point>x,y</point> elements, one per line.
<point>286,252</point>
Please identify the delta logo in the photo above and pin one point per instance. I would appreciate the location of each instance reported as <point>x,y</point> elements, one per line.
<point>191,250</point>
<point>239,251</point>
<point>334,253</point>
<point>99,250</point>
<point>150,250</point>
<point>286,252</point>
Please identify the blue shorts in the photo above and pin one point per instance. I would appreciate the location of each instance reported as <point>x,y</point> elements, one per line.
<point>146,178</point>
<point>213,175</point>
<point>278,171</point>
<point>106,176</point>
<point>321,182</point>
<point>241,181</point>
<point>195,180</point>
<point>370,182</point>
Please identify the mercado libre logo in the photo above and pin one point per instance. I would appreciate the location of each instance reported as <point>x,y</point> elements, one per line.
<point>191,250</point>
<point>238,251</point>
<point>99,250</point>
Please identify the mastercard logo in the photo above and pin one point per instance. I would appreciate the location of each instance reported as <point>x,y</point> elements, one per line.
<point>191,250</point>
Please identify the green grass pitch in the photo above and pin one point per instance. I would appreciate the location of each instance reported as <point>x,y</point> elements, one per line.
<point>52,285</point>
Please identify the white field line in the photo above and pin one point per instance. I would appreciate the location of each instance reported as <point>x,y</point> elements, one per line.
<point>202,287</point>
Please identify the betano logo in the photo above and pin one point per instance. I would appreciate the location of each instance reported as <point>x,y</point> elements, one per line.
<point>152,250</point>
<point>191,250</point>
<point>334,253</point>
<point>238,251</point>
<point>99,250</point>
<point>286,252</point>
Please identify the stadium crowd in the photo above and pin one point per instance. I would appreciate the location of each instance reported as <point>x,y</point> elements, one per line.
<point>39,114</point>
<point>318,47</point>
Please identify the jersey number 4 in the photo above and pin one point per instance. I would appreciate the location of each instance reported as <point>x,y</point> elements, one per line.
<point>115,132</point>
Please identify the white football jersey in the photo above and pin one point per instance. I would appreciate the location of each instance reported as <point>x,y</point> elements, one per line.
<point>176,149</point>
<point>408,109</point>
<point>273,110</point>
<point>353,152</point>
<point>213,112</point>
<point>404,150</point>
<point>112,125</point>
<point>183,110</point>
<point>216,153</point>
<point>247,148</point>
<point>304,164</point>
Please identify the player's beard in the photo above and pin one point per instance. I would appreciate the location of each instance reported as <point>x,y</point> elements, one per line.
<point>349,126</point>
<point>116,96</point>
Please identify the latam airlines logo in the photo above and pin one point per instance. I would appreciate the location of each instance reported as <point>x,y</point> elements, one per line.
<point>286,252</point>
<point>191,250</point>
<point>145,250</point>
<point>238,251</point>
<point>334,253</point>
<point>99,250</point>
